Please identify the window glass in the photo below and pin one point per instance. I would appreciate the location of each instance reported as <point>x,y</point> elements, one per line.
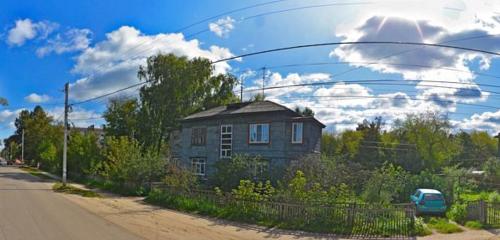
<point>297,132</point>
<point>259,133</point>
<point>198,136</point>
<point>198,166</point>
<point>226,141</point>
<point>433,197</point>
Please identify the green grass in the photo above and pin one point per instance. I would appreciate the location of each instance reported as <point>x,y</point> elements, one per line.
<point>62,188</point>
<point>242,212</point>
<point>35,172</point>
<point>442,225</point>
<point>474,225</point>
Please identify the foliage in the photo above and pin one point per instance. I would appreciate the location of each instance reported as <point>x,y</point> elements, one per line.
<point>163,104</point>
<point>48,156</point>
<point>126,164</point>
<point>121,117</point>
<point>229,172</point>
<point>421,229</point>
<point>84,155</point>
<point>474,224</point>
<point>457,213</point>
<point>385,184</point>
<point>249,191</point>
<point>66,188</point>
<point>442,225</point>
<point>306,112</point>
<point>178,177</point>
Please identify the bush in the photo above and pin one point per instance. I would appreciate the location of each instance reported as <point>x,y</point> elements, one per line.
<point>474,224</point>
<point>457,213</point>
<point>442,225</point>
<point>494,197</point>
<point>421,228</point>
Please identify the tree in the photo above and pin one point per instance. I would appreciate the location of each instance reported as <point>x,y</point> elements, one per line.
<point>121,117</point>
<point>258,97</point>
<point>306,112</point>
<point>84,154</point>
<point>177,87</point>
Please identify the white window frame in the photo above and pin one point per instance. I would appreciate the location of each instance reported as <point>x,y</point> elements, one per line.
<point>226,152</point>
<point>301,124</point>
<point>255,125</point>
<point>260,168</point>
<point>199,166</point>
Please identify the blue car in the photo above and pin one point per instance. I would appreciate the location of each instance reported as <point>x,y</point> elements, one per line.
<point>429,201</point>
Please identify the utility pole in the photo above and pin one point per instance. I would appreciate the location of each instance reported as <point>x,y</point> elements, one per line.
<point>498,137</point>
<point>65,148</point>
<point>263,80</point>
<point>22,146</point>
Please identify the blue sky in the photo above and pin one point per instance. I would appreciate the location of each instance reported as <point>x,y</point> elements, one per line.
<point>98,45</point>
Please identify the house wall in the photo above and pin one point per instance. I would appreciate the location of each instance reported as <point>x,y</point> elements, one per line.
<point>279,152</point>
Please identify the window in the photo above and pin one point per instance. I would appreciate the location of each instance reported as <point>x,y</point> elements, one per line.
<point>259,133</point>
<point>226,141</point>
<point>198,136</point>
<point>433,197</point>
<point>198,166</point>
<point>297,130</point>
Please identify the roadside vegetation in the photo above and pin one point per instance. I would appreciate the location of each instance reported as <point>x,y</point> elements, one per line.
<point>374,164</point>
<point>68,188</point>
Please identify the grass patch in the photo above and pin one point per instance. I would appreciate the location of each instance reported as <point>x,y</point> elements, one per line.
<point>61,188</point>
<point>442,225</point>
<point>474,225</point>
<point>35,172</point>
<point>421,229</point>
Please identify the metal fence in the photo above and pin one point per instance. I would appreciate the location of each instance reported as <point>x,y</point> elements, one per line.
<point>351,219</point>
<point>485,212</point>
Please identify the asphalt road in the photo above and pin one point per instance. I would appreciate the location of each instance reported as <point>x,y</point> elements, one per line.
<point>30,210</point>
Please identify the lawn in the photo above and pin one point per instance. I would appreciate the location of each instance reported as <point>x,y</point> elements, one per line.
<point>66,188</point>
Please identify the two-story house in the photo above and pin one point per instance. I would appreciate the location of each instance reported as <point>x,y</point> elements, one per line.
<point>275,133</point>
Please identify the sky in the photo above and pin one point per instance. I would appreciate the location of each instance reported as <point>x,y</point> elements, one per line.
<point>98,46</point>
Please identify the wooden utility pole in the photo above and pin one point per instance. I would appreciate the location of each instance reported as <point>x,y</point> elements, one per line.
<point>22,146</point>
<point>65,147</point>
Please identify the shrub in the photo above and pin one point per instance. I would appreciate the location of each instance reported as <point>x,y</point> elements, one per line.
<point>178,177</point>
<point>494,197</point>
<point>474,224</point>
<point>442,225</point>
<point>457,213</point>
<point>421,228</point>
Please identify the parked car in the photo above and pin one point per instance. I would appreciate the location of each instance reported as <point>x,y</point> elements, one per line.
<point>3,162</point>
<point>429,201</point>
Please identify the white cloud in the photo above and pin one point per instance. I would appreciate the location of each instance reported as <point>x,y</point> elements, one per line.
<point>487,121</point>
<point>37,98</point>
<point>113,63</point>
<point>222,27</point>
<point>26,29</point>
<point>407,58</point>
<point>69,41</point>
<point>7,118</point>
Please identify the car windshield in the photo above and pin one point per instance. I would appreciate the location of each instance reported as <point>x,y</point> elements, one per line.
<point>433,197</point>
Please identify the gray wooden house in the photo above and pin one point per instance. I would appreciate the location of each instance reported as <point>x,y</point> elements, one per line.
<point>275,133</point>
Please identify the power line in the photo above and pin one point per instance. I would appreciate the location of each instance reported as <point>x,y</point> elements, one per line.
<point>350,97</point>
<point>382,82</point>
<point>355,43</point>
<point>284,11</point>
<point>306,46</point>
<point>372,63</point>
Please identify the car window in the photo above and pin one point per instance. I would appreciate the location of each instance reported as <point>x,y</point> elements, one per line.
<point>433,197</point>
<point>417,193</point>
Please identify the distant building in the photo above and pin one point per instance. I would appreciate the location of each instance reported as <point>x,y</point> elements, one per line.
<point>99,132</point>
<point>266,129</point>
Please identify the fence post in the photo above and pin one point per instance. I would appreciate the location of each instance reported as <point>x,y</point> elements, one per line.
<point>482,211</point>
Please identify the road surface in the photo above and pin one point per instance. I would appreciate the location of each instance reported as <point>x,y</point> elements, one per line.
<point>29,209</point>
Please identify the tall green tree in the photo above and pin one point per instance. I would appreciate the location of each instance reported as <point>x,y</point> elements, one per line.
<point>122,117</point>
<point>177,87</point>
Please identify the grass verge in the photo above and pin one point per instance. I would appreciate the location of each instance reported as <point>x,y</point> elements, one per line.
<point>474,225</point>
<point>442,225</point>
<point>35,172</point>
<point>61,188</point>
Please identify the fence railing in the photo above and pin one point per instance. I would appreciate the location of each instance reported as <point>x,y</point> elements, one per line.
<point>352,219</point>
<point>485,212</point>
